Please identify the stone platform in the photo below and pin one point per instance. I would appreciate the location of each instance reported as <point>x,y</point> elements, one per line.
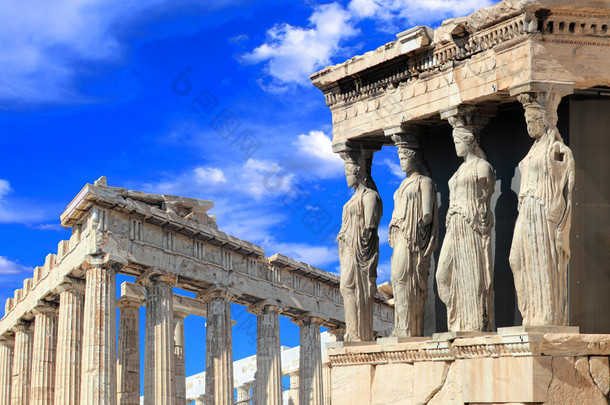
<point>511,367</point>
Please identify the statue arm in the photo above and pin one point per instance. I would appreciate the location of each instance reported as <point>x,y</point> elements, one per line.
<point>371,218</point>
<point>428,195</point>
<point>486,180</point>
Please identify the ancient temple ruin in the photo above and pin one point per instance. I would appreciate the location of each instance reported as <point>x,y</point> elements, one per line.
<point>519,91</point>
<point>58,339</point>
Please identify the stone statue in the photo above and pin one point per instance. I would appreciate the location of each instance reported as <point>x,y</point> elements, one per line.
<point>413,235</point>
<point>359,247</point>
<point>465,271</point>
<point>541,242</point>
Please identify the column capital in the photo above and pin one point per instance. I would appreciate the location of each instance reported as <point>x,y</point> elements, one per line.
<point>128,302</point>
<point>337,331</point>
<point>71,284</point>
<point>306,319</point>
<point>216,291</point>
<point>363,146</point>
<point>264,307</point>
<point>156,276</point>
<point>556,87</point>
<point>180,314</point>
<point>7,341</point>
<point>412,129</point>
<point>484,112</point>
<point>23,326</point>
<point>45,307</point>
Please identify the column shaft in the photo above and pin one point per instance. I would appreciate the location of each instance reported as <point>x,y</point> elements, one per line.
<point>310,364</point>
<point>22,365</point>
<point>179,358</point>
<point>69,345</point>
<point>43,356</point>
<point>268,384</point>
<point>219,350</point>
<point>98,381</point>
<point>159,381</point>
<point>6,370</point>
<point>128,360</point>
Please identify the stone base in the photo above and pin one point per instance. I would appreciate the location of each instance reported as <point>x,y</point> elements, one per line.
<point>522,368</point>
<point>455,335</point>
<point>516,330</point>
<point>404,339</point>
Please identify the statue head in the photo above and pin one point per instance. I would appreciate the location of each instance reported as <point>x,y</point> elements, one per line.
<point>410,155</point>
<point>357,168</point>
<point>466,135</point>
<point>540,112</point>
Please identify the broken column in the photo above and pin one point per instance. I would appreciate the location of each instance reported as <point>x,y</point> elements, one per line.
<point>268,384</point>
<point>128,361</point>
<point>98,382</point>
<point>179,363</point>
<point>219,348</point>
<point>6,369</point>
<point>69,342</point>
<point>43,354</point>
<point>159,381</point>
<point>22,364</point>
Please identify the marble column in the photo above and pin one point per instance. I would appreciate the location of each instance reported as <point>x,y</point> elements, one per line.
<point>268,383</point>
<point>22,364</point>
<point>69,343</point>
<point>98,378</point>
<point>159,368</point>
<point>219,349</point>
<point>310,363</point>
<point>6,369</point>
<point>43,354</point>
<point>179,357</point>
<point>128,360</point>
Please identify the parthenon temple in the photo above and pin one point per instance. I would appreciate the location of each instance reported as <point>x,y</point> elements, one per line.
<point>59,339</point>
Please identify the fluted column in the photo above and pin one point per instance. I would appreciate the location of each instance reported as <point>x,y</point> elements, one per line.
<point>22,364</point>
<point>128,359</point>
<point>219,349</point>
<point>310,361</point>
<point>43,354</point>
<point>159,368</point>
<point>69,343</point>
<point>6,369</point>
<point>98,381</point>
<point>268,383</point>
<point>179,357</point>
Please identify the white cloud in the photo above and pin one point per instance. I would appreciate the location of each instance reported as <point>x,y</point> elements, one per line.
<point>291,53</point>
<point>10,267</point>
<point>394,168</point>
<point>12,212</point>
<point>209,175</point>
<point>318,256</point>
<point>5,188</point>
<point>317,156</point>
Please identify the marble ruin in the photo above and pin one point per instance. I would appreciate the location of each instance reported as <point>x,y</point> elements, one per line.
<point>516,69</point>
<point>58,338</point>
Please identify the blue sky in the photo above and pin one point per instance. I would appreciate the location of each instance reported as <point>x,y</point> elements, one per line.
<point>135,91</point>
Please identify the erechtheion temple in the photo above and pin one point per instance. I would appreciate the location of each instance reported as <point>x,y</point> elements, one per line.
<point>500,260</point>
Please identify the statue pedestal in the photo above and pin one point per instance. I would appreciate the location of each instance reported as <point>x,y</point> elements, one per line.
<point>516,366</point>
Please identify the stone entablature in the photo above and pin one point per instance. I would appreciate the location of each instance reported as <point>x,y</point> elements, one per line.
<point>471,60</point>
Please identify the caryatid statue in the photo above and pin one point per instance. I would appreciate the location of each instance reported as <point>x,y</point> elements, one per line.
<point>413,235</point>
<point>541,241</point>
<point>359,246</point>
<point>464,274</point>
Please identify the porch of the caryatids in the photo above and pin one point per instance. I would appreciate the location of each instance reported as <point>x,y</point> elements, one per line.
<point>6,369</point>
<point>44,353</point>
<point>310,378</point>
<point>359,241</point>
<point>159,366</point>
<point>98,371</point>
<point>268,381</point>
<point>219,347</point>
<point>22,363</point>
<point>540,248</point>
<point>128,359</point>
<point>68,354</point>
